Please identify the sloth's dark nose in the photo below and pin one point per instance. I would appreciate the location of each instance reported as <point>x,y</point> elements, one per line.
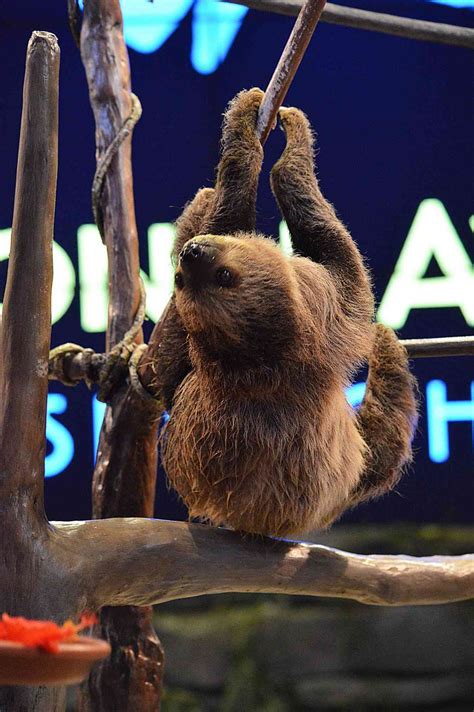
<point>192,252</point>
<point>197,260</point>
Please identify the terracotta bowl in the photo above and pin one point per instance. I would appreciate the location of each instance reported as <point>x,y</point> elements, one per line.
<point>31,666</point>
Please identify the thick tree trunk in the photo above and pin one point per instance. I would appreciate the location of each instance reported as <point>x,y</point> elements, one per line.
<point>32,699</point>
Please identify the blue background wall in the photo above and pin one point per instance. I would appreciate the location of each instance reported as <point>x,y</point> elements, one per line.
<point>394,123</point>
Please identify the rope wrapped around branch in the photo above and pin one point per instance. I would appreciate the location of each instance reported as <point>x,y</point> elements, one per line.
<point>71,363</point>
<point>106,159</point>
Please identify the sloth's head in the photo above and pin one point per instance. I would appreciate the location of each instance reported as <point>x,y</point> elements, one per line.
<point>236,294</point>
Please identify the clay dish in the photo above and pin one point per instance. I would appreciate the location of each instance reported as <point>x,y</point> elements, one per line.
<point>32,666</point>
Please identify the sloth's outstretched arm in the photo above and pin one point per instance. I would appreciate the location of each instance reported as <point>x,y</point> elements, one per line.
<point>316,231</point>
<point>225,209</point>
<point>235,196</point>
<point>387,417</point>
<point>231,205</point>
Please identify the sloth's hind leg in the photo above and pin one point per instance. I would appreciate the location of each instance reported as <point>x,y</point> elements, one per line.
<point>387,417</point>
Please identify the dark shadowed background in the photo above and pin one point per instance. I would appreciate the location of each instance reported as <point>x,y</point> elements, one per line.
<point>394,123</point>
<point>394,120</point>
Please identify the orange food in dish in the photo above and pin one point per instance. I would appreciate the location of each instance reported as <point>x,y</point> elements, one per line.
<point>41,634</point>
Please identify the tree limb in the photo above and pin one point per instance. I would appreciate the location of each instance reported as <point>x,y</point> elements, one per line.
<point>138,562</point>
<point>107,68</point>
<point>374,21</point>
<point>25,347</point>
<point>444,346</point>
<point>86,365</point>
<point>287,66</point>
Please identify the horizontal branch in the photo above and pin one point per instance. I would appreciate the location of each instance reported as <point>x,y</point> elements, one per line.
<point>147,561</point>
<point>374,21</point>
<point>85,365</point>
<point>446,346</point>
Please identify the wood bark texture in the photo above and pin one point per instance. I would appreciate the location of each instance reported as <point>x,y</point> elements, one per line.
<point>125,472</point>
<point>136,561</point>
<point>27,572</point>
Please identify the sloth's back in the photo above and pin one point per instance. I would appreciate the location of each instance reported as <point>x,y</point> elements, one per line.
<point>270,465</point>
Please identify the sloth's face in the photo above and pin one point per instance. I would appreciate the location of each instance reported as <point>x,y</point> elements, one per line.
<point>201,266</point>
<point>235,291</point>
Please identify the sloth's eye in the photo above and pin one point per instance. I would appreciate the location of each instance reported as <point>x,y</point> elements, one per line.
<point>178,280</point>
<point>223,277</point>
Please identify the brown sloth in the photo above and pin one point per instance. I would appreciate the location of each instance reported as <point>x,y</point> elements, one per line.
<point>258,347</point>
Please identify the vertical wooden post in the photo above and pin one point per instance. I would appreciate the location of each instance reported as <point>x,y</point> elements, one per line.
<point>125,473</point>
<point>25,342</point>
<point>26,322</point>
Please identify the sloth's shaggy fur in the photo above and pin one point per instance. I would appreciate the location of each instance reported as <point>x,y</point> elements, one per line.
<point>258,347</point>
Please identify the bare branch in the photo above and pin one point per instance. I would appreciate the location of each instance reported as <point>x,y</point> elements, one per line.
<point>26,329</point>
<point>374,21</point>
<point>128,437</point>
<point>85,365</point>
<point>445,346</point>
<point>137,562</point>
<point>287,66</point>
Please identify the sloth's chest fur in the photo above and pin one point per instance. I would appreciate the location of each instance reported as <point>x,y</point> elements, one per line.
<point>250,462</point>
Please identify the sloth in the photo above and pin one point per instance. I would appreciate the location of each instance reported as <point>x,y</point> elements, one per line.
<point>257,348</point>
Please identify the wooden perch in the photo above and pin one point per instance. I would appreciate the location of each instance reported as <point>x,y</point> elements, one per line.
<point>420,30</point>
<point>444,346</point>
<point>138,562</point>
<point>105,60</point>
<point>84,364</point>
<point>125,472</point>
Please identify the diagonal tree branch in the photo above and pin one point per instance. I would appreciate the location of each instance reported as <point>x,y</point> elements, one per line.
<point>26,328</point>
<point>137,562</point>
<point>287,66</point>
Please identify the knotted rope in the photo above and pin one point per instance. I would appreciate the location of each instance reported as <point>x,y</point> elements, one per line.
<point>72,363</point>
